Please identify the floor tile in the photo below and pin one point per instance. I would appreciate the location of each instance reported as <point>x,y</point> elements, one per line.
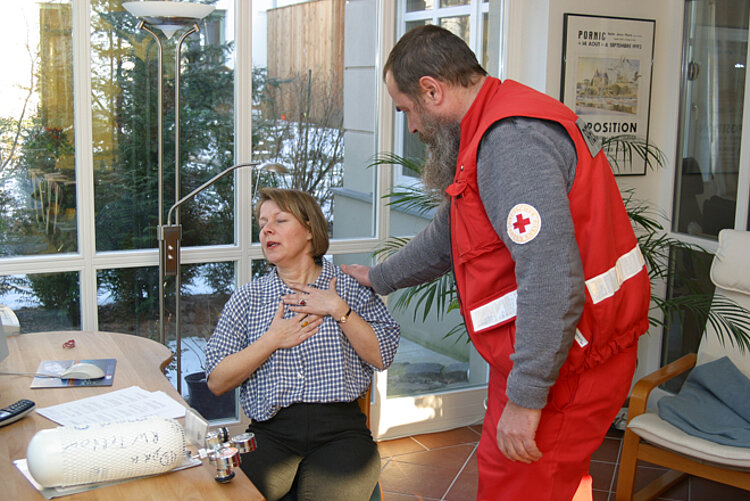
<point>390,448</point>
<point>645,474</point>
<point>477,428</point>
<point>463,435</point>
<point>394,496</point>
<point>601,475</point>
<point>700,488</point>
<point>452,456</point>
<point>417,480</point>
<point>600,495</point>
<point>608,451</point>
<point>434,467</point>
<point>464,488</point>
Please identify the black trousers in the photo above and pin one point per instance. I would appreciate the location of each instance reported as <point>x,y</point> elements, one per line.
<point>326,450</point>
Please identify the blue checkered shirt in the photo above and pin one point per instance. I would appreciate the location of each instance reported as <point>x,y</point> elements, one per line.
<point>324,368</point>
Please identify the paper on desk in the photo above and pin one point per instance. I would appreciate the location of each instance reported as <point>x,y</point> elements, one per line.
<point>128,403</point>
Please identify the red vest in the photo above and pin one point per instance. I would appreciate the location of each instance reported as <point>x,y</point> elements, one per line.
<point>617,284</point>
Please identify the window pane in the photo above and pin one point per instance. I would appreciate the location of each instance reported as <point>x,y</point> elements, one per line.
<point>43,301</point>
<point>691,276</point>
<point>37,166</point>
<point>125,87</point>
<point>128,301</point>
<point>453,3</point>
<point>301,91</point>
<point>711,123</point>
<point>485,40</point>
<point>414,24</point>
<point>417,5</point>
<point>458,25</point>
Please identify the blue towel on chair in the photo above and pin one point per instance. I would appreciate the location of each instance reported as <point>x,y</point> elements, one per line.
<point>714,404</point>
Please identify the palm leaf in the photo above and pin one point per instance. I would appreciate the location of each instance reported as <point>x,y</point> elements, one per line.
<point>622,149</point>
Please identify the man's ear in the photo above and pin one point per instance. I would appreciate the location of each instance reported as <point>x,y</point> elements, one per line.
<point>432,90</point>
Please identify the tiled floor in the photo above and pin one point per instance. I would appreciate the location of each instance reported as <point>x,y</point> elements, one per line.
<point>443,467</point>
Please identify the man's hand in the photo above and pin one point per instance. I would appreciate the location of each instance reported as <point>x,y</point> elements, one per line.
<point>515,433</point>
<point>359,272</point>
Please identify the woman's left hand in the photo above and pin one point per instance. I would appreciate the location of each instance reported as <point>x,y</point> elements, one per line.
<point>316,301</point>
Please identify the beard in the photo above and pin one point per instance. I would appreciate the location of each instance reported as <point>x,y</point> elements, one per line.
<point>442,139</point>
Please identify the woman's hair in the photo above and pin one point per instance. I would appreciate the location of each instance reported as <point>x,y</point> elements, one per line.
<point>430,50</point>
<point>305,209</point>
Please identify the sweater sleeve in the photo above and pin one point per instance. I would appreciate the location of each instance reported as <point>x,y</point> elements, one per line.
<point>426,257</point>
<point>529,161</point>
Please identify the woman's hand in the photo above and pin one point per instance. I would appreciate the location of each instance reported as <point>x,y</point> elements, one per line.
<point>289,332</point>
<point>314,301</point>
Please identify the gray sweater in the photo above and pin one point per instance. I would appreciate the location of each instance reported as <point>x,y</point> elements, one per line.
<point>520,160</point>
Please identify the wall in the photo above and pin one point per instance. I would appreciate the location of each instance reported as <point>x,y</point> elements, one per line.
<point>534,58</point>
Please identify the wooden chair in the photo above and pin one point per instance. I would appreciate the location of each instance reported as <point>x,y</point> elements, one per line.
<point>651,439</point>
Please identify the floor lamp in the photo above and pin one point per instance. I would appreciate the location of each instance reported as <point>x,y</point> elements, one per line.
<point>169,17</point>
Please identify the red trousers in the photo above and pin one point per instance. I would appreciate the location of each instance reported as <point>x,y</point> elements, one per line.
<point>579,411</point>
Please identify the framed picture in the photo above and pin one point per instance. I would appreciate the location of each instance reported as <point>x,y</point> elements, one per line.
<point>606,77</point>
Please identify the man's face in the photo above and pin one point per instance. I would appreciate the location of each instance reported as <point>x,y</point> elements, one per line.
<point>440,135</point>
<point>405,104</point>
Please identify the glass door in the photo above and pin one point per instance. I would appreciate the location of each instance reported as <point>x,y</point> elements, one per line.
<point>711,189</point>
<point>437,380</point>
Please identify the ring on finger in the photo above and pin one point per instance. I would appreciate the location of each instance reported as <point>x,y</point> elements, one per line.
<point>304,324</point>
<point>302,302</point>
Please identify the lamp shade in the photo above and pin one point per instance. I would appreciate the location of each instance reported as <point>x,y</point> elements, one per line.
<point>168,16</point>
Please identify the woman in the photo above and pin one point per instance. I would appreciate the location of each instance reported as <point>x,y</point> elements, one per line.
<point>302,342</point>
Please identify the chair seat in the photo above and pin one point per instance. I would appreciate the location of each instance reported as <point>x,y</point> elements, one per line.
<point>654,429</point>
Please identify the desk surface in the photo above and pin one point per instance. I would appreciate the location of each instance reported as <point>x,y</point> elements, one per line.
<point>140,362</point>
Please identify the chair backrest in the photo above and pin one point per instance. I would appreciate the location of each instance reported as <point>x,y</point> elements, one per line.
<point>730,273</point>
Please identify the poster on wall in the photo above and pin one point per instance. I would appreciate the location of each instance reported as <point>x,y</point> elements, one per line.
<point>606,78</point>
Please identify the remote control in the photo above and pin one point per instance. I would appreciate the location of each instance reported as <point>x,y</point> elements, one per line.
<point>16,411</point>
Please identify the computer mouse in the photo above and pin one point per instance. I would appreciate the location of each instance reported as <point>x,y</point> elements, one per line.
<point>82,370</point>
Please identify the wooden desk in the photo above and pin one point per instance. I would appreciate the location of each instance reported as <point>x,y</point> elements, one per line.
<point>140,362</point>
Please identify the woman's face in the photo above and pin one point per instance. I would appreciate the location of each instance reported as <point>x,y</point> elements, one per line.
<point>283,238</point>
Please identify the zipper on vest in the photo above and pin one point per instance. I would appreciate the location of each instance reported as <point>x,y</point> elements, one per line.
<point>453,266</point>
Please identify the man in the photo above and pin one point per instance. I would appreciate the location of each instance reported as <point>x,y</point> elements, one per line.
<point>551,282</point>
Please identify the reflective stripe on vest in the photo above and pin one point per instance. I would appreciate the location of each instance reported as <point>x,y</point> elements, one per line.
<point>605,285</point>
<point>600,287</point>
<point>495,312</point>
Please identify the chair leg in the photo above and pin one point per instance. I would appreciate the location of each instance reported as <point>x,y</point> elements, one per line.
<point>660,485</point>
<point>628,462</point>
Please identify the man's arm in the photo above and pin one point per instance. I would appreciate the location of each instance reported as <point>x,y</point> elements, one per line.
<point>426,257</point>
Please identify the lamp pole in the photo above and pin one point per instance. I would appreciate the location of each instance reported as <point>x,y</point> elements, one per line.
<point>169,17</point>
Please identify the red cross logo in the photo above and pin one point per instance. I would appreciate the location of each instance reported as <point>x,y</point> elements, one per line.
<point>521,223</point>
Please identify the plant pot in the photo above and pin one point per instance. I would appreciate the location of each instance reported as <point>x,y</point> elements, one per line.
<point>206,403</point>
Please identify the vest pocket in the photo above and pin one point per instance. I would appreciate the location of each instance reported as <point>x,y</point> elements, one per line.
<point>473,234</point>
